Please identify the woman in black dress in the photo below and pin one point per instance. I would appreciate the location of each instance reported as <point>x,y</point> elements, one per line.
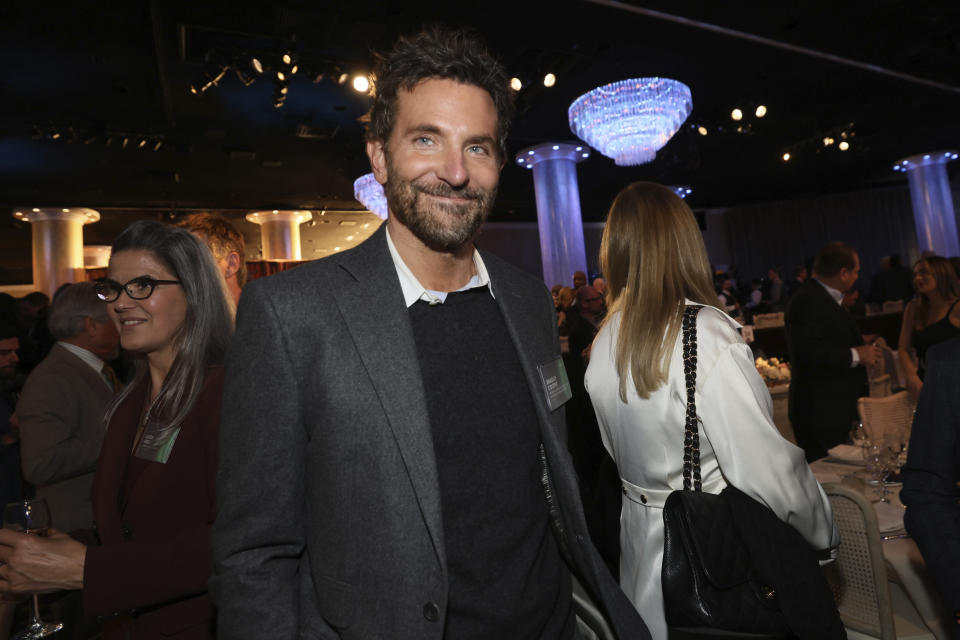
<point>933,316</point>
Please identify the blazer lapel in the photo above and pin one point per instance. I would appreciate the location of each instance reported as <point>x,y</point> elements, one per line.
<point>132,467</point>
<point>522,322</point>
<point>111,483</point>
<point>371,302</point>
<point>836,310</point>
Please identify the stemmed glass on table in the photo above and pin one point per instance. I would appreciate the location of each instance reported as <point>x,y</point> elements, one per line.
<point>31,517</point>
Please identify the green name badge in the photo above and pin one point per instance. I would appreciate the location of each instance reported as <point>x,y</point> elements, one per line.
<point>157,442</point>
<point>556,385</point>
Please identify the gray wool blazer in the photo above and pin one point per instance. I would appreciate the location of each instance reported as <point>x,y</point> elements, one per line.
<point>328,521</point>
<point>61,414</point>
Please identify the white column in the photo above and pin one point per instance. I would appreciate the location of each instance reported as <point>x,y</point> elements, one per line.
<point>280,233</point>
<point>933,213</point>
<point>57,238</point>
<point>560,223</point>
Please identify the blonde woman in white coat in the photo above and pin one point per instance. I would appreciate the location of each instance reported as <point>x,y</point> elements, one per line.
<point>655,263</point>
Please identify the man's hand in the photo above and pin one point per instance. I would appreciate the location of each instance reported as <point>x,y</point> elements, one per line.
<point>31,564</point>
<point>869,354</point>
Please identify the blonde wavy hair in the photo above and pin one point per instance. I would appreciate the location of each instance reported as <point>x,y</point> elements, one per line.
<point>652,256</point>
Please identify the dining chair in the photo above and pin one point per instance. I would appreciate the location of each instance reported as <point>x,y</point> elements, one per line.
<point>880,387</point>
<point>893,413</point>
<point>858,577</point>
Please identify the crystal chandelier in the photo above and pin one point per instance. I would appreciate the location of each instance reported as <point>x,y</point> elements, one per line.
<point>370,194</point>
<point>631,120</point>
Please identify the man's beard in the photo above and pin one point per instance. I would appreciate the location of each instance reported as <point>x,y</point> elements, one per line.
<point>442,226</point>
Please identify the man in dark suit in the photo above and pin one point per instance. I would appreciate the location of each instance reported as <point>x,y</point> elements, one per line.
<point>827,355</point>
<point>392,461</point>
<point>932,473</point>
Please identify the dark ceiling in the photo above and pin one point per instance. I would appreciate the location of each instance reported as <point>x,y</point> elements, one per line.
<point>93,76</point>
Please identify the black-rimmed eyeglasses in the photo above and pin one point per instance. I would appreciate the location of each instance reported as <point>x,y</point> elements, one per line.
<point>139,288</point>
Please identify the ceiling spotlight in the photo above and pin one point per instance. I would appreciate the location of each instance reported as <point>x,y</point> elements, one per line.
<point>158,144</point>
<point>279,93</point>
<point>248,70</point>
<point>702,130</point>
<point>786,157</point>
<point>828,141</point>
<point>515,84</point>
<point>125,142</point>
<point>761,111</point>
<point>141,143</point>
<point>844,145</point>
<point>343,78</point>
<point>54,134</point>
<point>736,114</point>
<point>287,59</point>
<point>281,76</point>
<point>549,80</point>
<point>293,69</point>
<point>361,83</point>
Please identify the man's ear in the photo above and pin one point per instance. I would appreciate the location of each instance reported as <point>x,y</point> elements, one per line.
<point>90,326</point>
<point>233,265</point>
<point>377,153</point>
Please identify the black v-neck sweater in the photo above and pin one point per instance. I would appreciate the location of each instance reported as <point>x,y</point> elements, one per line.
<point>506,576</point>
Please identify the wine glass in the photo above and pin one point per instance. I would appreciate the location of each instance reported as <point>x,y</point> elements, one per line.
<point>858,435</point>
<point>31,517</point>
<point>875,459</point>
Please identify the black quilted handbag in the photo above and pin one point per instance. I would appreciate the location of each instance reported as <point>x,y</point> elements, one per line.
<point>708,576</point>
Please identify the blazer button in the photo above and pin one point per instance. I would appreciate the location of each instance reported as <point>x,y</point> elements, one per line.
<point>431,611</point>
<point>643,498</point>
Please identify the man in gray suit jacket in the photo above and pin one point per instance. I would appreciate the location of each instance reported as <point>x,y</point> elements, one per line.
<point>392,460</point>
<point>63,403</point>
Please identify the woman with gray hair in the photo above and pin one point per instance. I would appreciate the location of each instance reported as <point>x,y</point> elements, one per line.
<point>153,494</point>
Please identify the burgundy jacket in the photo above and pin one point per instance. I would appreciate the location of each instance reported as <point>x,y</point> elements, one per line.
<point>148,577</point>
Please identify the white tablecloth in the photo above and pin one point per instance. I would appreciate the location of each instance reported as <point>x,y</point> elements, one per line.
<point>904,563</point>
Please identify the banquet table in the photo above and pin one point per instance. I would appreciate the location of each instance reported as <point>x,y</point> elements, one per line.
<point>905,565</point>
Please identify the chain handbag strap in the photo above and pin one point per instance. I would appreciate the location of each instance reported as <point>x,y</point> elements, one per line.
<point>691,437</point>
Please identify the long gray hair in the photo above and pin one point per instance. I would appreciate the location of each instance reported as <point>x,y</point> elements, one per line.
<point>203,338</point>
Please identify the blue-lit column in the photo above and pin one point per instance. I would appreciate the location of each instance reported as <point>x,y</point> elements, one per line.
<point>933,212</point>
<point>558,208</point>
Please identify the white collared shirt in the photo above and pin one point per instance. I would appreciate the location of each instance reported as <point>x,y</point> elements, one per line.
<point>413,290</point>
<point>89,358</point>
<point>837,296</point>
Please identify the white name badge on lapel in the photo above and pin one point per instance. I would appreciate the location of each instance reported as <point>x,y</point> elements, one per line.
<point>556,384</point>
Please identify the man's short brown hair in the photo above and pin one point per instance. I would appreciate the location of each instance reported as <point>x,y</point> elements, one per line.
<point>834,257</point>
<point>221,236</point>
<point>442,53</point>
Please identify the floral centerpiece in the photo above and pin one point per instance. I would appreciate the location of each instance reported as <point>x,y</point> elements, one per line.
<point>773,371</point>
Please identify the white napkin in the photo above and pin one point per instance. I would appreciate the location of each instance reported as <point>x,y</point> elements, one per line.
<point>847,453</point>
<point>889,516</point>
